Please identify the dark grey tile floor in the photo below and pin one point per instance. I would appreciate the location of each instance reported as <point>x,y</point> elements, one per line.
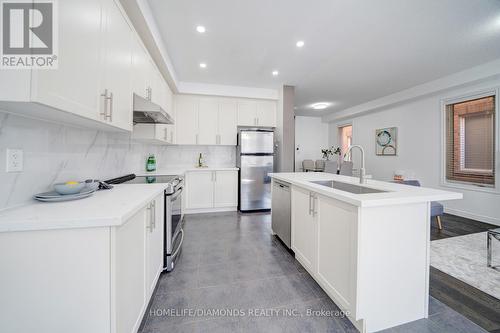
<point>233,276</point>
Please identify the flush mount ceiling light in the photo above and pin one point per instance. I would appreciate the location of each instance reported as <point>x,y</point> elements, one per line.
<point>275,73</point>
<point>201,29</point>
<point>203,65</point>
<point>300,43</point>
<point>320,106</point>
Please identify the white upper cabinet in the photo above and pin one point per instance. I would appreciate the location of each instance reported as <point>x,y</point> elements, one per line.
<point>227,123</point>
<point>215,121</point>
<point>208,122</point>
<point>140,69</point>
<point>92,85</point>
<point>116,87</point>
<point>186,113</point>
<point>266,114</point>
<point>74,86</point>
<point>253,113</point>
<point>247,113</point>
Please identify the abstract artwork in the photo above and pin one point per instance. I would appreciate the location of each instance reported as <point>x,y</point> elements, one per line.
<point>386,141</point>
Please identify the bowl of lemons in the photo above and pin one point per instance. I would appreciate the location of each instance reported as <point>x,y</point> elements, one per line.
<point>70,187</point>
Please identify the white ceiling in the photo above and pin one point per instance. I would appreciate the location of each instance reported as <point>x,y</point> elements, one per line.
<point>355,50</point>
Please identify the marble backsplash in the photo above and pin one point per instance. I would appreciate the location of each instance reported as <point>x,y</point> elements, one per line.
<point>55,153</point>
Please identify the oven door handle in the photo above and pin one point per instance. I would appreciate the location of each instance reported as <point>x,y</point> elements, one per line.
<point>176,194</point>
<point>176,252</point>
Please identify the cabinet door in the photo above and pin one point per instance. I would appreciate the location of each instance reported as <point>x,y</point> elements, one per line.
<point>266,114</point>
<point>304,229</point>
<point>154,243</point>
<point>199,189</point>
<point>228,123</point>
<point>337,249</point>
<point>118,66</point>
<point>140,63</point>
<point>129,251</point>
<point>207,121</point>
<point>247,113</point>
<point>186,114</point>
<point>226,189</point>
<point>162,132</point>
<point>159,90</point>
<point>75,86</point>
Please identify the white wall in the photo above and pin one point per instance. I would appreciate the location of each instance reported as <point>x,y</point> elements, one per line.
<point>419,149</point>
<point>311,135</point>
<point>55,153</point>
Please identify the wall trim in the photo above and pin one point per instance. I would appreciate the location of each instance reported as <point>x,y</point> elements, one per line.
<point>227,91</point>
<point>469,215</point>
<point>474,75</point>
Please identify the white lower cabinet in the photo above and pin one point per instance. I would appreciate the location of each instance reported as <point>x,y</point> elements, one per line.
<point>305,228</point>
<point>95,279</point>
<point>324,242</point>
<point>211,190</point>
<point>336,270</point>
<point>199,189</point>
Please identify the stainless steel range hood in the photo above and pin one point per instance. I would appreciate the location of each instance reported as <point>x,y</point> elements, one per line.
<point>147,112</point>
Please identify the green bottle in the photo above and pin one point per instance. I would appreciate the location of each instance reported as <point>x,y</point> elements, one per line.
<point>151,163</point>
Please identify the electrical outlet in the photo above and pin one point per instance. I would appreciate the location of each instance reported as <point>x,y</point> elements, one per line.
<point>14,160</point>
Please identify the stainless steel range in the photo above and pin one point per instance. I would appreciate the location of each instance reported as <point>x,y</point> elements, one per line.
<point>174,218</point>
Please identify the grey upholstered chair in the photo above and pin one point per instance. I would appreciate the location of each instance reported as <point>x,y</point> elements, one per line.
<point>346,168</point>
<point>437,209</point>
<point>319,165</point>
<point>308,165</point>
<point>331,167</point>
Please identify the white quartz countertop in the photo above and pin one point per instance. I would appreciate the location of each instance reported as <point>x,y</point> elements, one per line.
<point>103,209</point>
<point>396,193</point>
<point>181,171</point>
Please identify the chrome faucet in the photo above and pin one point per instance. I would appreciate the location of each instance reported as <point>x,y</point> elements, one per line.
<point>362,179</point>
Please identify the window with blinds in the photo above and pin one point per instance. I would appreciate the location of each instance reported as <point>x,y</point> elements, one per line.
<point>470,141</point>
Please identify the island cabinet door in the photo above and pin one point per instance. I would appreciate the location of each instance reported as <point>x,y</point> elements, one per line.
<point>304,228</point>
<point>337,225</point>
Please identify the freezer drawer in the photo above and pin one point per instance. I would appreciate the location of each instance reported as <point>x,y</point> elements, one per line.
<point>255,183</point>
<point>280,213</point>
<point>256,142</point>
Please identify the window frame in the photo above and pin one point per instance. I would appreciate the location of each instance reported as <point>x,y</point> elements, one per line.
<point>495,189</point>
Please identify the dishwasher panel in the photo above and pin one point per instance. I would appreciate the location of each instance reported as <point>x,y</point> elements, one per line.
<point>280,212</point>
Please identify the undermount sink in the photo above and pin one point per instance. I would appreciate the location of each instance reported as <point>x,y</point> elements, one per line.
<point>351,188</point>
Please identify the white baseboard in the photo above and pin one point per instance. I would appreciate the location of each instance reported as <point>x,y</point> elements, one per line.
<point>209,210</point>
<point>480,218</point>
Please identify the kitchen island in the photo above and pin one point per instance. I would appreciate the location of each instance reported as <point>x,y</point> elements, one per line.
<point>370,251</point>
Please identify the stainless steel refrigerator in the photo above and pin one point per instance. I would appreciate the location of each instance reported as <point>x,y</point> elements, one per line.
<point>256,161</point>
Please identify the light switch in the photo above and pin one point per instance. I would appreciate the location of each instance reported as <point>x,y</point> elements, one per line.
<point>14,160</point>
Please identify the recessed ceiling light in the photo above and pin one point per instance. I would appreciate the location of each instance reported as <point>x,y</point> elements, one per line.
<point>201,29</point>
<point>275,73</point>
<point>203,65</point>
<point>300,43</point>
<point>320,106</point>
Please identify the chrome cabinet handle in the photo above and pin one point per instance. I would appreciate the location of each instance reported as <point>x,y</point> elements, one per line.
<point>107,98</point>
<point>171,137</point>
<point>149,225</point>
<point>111,107</point>
<point>153,215</point>
<point>314,197</point>
<point>165,136</point>
<point>196,138</point>
<point>310,204</point>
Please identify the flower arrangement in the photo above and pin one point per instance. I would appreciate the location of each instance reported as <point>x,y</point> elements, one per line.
<point>327,152</point>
